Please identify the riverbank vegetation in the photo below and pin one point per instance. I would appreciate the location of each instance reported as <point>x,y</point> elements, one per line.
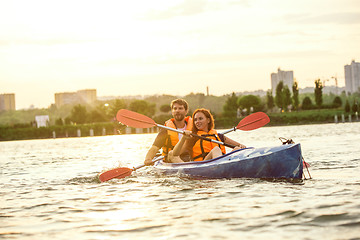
<point>285,108</point>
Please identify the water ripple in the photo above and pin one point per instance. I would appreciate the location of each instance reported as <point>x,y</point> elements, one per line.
<point>54,192</point>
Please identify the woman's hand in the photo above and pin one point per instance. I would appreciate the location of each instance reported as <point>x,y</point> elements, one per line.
<point>240,146</point>
<point>187,134</point>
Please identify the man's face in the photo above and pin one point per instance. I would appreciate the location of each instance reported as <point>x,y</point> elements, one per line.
<point>178,111</point>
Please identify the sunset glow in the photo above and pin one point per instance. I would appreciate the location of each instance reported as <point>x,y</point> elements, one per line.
<point>170,47</point>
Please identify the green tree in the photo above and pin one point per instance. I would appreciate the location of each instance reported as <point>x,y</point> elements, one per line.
<point>97,116</point>
<point>165,108</point>
<point>59,121</point>
<point>269,100</point>
<point>337,102</point>
<point>295,98</point>
<point>249,101</point>
<point>79,114</point>
<point>306,103</point>
<point>286,98</point>
<point>347,106</point>
<point>201,99</point>
<point>279,95</point>
<point>143,107</point>
<point>67,121</point>
<point>355,107</point>
<point>230,107</point>
<point>318,92</point>
<point>116,106</point>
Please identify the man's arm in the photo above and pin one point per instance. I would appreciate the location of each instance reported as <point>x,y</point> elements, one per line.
<point>180,146</point>
<point>158,143</point>
<point>151,154</point>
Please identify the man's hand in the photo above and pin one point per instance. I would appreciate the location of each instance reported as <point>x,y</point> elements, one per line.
<point>148,162</point>
<point>150,155</point>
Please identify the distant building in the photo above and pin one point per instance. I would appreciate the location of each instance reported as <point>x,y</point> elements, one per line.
<point>287,77</point>
<point>352,77</point>
<point>7,101</point>
<point>65,98</point>
<point>42,121</point>
<point>86,96</point>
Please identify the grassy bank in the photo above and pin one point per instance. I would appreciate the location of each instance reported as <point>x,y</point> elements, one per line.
<point>22,133</point>
<point>276,119</point>
<point>309,117</point>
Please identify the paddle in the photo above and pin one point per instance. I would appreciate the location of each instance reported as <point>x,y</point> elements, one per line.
<point>122,172</point>
<point>137,120</point>
<point>305,164</point>
<point>251,122</point>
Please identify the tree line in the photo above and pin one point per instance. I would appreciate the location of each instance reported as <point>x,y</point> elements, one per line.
<point>286,101</point>
<point>226,109</point>
<point>105,112</point>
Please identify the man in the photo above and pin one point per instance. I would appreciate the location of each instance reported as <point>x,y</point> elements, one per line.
<point>167,139</point>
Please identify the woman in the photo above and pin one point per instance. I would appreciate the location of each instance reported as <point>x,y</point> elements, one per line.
<point>199,150</point>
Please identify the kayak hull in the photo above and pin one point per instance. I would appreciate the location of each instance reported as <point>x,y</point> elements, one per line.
<point>283,161</point>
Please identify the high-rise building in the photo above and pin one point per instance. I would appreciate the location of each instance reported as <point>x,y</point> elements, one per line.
<point>86,96</point>
<point>352,77</point>
<point>287,77</point>
<point>65,98</point>
<point>7,101</point>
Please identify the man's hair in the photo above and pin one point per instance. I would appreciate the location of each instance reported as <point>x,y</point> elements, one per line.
<point>180,102</point>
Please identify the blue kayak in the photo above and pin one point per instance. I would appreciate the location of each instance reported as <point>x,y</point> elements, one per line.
<point>284,161</point>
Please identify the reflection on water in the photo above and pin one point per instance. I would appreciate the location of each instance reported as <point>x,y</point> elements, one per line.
<point>49,189</point>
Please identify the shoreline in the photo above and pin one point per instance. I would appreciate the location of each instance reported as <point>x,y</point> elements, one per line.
<point>48,133</point>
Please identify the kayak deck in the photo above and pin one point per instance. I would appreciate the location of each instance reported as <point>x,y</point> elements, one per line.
<point>284,161</point>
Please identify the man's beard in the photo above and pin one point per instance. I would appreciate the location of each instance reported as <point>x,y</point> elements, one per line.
<point>179,117</point>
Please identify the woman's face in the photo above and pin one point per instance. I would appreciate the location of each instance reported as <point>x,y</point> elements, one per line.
<point>201,121</point>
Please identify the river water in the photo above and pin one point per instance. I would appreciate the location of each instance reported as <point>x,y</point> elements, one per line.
<point>49,190</point>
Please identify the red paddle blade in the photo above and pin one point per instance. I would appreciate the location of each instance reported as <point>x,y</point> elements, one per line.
<point>305,164</point>
<point>115,173</point>
<point>134,119</point>
<point>253,121</point>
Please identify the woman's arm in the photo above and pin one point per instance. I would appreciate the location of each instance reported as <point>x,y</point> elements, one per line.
<point>233,142</point>
<point>183,144</point>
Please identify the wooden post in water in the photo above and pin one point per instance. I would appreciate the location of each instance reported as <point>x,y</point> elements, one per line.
<point>349,117</point>
<point>54,134</point>
<point>127,130</point>
<point>343,118</point>
<point>335,118</point>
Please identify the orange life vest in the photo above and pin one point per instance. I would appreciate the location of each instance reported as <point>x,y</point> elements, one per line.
<point>201,147</point>
<point>173,137</point>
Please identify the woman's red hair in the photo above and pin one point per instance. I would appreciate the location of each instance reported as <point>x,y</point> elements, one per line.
<point>208,115</point>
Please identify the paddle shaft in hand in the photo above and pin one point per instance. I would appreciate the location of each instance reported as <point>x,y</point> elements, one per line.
<point>137,120</point>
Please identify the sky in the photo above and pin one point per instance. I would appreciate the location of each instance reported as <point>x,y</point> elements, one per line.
<point>176,47</point>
